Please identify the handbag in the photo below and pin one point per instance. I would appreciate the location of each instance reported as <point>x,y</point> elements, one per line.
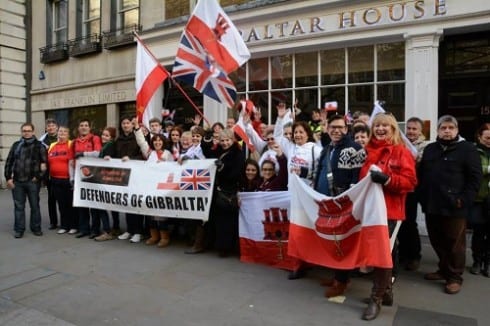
<point>226,199</point>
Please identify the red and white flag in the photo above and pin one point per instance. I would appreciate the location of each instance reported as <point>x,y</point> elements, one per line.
<point>150,75</point>
<point>343,232</point>
<point>264,229</point>
<point>218,35</point>
<point>239,128</point>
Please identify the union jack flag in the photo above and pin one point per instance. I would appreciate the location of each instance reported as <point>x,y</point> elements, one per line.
<point>195,179</point>
<point>194,66</point>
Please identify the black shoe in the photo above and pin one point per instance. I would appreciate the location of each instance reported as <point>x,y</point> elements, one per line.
<point>53,227</point>
<point>37,233</point>
<point>18,235</point>
<point>294,275</point>
<point>93,236</point>
<point>81,235</point>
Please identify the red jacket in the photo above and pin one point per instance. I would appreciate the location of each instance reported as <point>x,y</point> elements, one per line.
<point>397,162</point>
<point>89,143</point>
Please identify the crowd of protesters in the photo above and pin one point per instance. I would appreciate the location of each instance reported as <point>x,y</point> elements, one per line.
<point>449,178</point>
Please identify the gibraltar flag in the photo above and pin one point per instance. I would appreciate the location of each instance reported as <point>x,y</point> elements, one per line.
<point>218,35</point>
<point>239,128</point>
<point>264,229</point>
<point>342,232</point>
<point>149,91</point>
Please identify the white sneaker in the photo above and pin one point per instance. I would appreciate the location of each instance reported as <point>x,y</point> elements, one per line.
<point>124,236</point>
<point>72,231</point>
<point>61,231</point>
<point>136,238</point>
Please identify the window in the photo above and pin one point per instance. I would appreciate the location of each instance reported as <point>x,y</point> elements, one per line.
<point>97,115</point>
<point>127,13</point>
<point>88,18</point>
<point>354,77</point>
<point>57,18</point>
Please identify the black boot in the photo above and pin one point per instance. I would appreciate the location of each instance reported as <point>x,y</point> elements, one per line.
<point>484,268</point>
<point>477,265</point>
<point>373,309</point>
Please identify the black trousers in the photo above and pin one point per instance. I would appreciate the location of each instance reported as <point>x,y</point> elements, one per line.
<point>408,236</point>
<point>63,194</point>
<point>52,210</point>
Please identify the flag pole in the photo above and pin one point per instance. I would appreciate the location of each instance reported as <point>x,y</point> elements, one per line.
<point>172,79</point>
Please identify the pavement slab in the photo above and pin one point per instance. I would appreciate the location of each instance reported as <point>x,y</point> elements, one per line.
<point>60,280</point>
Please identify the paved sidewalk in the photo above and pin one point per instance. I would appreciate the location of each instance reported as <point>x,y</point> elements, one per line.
<point>61,280</point>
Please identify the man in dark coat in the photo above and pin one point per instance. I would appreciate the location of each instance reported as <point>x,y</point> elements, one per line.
<point>24,170</point>
<point>450,176</point>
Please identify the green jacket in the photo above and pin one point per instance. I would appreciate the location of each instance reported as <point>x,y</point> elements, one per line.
<point>484,192</point>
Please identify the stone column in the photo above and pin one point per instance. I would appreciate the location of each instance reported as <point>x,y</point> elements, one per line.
<point>422,79</point>
<point>214,111</point>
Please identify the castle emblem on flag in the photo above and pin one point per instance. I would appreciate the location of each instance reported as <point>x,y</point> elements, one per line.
<point>195,179</point>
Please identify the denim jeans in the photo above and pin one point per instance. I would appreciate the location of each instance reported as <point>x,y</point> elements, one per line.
<point>30,190</point>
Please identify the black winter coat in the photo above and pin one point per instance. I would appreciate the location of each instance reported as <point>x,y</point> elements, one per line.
<point>449,178</point>
<point>228,175</point>
<point>126,145</point>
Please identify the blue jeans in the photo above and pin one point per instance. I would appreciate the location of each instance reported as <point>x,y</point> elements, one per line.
<point>30,190</point>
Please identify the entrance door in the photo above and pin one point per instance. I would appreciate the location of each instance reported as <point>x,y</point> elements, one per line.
<point>464,80</point>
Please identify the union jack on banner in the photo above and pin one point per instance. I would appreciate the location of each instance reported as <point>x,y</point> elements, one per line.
<point>195,179</point>
<point>195,67</point>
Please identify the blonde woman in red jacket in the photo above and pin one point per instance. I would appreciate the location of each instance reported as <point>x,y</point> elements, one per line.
<point>387,151</point>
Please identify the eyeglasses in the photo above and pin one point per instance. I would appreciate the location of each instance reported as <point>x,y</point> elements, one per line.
<point>23,130</point>
<point>336,127</point>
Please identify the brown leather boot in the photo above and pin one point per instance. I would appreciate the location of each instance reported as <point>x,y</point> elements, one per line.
<point>337,288</point>
<point>154,237</point>
<point>198,246</point>
<point>373,309</point>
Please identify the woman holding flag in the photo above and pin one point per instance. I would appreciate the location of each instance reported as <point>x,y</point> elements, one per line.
<point>397,176</point>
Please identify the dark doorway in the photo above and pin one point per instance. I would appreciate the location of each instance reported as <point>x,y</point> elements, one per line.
<point>464,80</point>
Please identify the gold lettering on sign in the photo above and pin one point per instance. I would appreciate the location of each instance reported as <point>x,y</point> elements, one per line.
<point>392,11</point>
<point>376,11</point>
<point>440,8</point>
<point>297,28</point>
<point>315,25</point>
<point>347,21</point>
<point>281,28</point>
<point>419,7</point>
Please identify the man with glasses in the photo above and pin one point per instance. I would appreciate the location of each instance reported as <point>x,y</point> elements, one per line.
<point>24,169</point>
<point>338,169</point>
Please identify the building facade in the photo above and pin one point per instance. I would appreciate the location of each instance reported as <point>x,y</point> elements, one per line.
<point>423,58</point>
<point>14,79</point>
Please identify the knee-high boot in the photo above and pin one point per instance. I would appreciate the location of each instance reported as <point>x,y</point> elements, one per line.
<point>381,288</point>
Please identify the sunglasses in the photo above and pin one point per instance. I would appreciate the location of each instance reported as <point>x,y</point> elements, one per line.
<point>267,169</point>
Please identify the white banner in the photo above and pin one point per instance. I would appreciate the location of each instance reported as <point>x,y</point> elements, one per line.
<point>156,189</point>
